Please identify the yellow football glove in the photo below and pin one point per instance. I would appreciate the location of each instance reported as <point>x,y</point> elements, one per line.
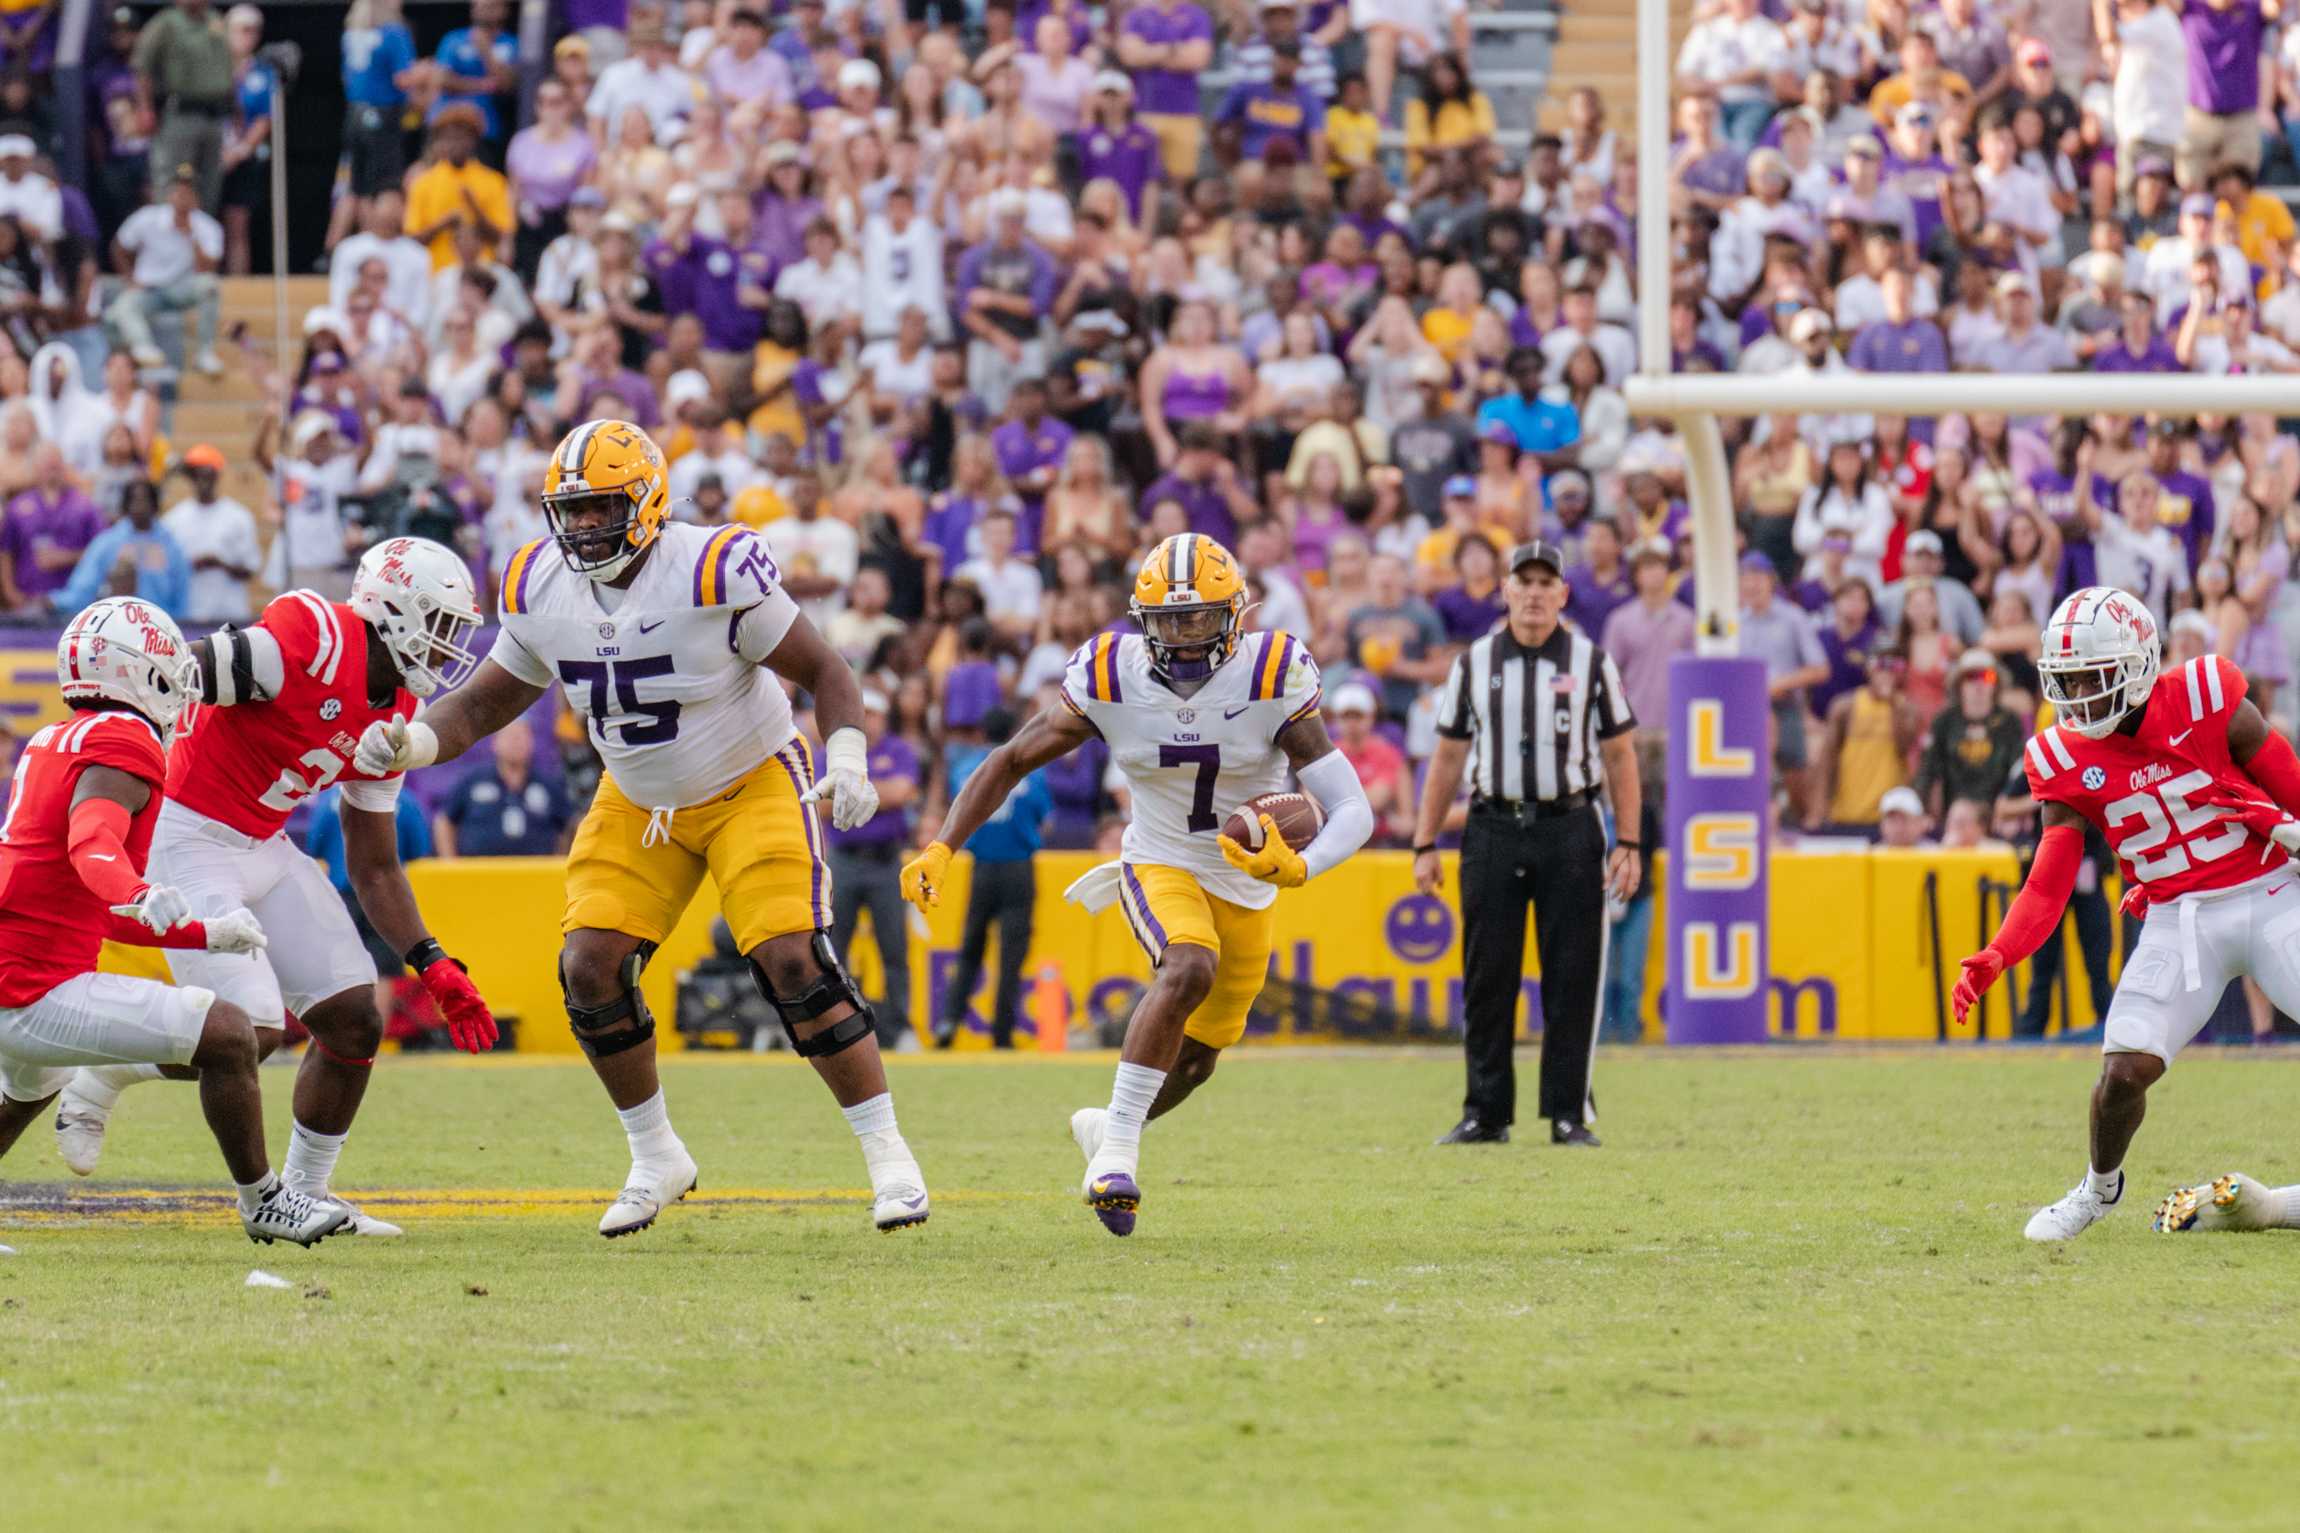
<point>922,876</point>
<point>1276,863</point>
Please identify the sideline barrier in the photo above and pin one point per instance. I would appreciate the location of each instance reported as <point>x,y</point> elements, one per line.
<point>1851,943</point>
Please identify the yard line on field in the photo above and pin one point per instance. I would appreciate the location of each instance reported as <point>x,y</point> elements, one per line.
<point>59,1202</point>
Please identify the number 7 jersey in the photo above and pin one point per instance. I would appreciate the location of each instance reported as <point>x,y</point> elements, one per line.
<point>2143,790</point>
<point>665,672</point>
<point>1189,761</point>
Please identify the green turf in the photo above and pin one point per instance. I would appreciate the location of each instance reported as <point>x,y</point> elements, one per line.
<point>1791,1292</point>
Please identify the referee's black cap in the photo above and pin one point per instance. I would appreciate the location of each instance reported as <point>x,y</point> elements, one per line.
<point>1539,551</point>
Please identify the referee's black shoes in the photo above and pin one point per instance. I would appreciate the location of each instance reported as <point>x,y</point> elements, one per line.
<point>1562,1132</point>
<point>1471,1131</point>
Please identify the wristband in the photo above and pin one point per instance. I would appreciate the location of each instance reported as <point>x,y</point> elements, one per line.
<point>1429,848</point>
<point>423,955</point>
<point>1625,844</point>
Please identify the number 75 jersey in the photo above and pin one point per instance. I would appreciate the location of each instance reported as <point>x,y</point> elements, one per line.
<point>1189,761</point>
<point>665,672</point>
<point>2143,790</point>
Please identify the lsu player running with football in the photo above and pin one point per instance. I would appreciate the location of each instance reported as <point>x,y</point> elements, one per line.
<point>2196,794</point>
<point>87,792</point>
<point>661,635</point>
<point>1200,716</point>
<point>275,721</point>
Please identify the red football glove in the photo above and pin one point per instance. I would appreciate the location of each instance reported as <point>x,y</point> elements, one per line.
<point>1981,971</point>
<point>2135,902</point>
<point>2258,816</point>
<point>470,1026</point>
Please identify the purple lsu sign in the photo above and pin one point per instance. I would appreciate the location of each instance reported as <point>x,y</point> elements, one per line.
<point>1720,783</point>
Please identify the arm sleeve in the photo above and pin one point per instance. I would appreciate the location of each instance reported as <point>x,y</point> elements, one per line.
<point>1333,782</point>
<point>97,846</point>
<point>373,795</point>
<point>2277,769</point>
<point>239,665</point>
<point>2036,910</point>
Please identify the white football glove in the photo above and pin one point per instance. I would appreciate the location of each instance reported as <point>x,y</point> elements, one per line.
<point>236,931</point>
<point>160,908</point>
<point>846,779</point>
<point>395,745</point>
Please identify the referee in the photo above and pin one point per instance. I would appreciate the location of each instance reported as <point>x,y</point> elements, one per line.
<point>1537,714</point>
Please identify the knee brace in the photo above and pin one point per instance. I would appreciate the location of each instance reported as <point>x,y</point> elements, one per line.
<point>829,988</point>
<point>624,1022</point>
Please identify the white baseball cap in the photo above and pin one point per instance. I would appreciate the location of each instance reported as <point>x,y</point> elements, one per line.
<point>1354,697</point>
<point>1901,801</point>
<point>685,387</point>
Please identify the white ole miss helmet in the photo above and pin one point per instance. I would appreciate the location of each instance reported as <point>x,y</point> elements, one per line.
<point>418,595</point>
<point>127,651</point>
<point>2101,656</point>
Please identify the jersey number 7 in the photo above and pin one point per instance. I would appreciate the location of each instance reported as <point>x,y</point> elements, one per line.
<point>623,677</point>
<point>1208,760</point>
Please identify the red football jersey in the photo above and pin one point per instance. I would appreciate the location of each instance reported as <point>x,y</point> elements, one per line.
<point>249,765</point>
<point>51,924</point>
<point>2142,789</point>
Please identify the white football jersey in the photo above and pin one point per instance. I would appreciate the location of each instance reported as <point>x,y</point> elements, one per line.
<point>1190,761</point>
<point>666,671</point>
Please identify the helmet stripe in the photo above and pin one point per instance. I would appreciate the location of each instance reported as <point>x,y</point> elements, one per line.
<point>571,454</point>
<point>1178,569</point>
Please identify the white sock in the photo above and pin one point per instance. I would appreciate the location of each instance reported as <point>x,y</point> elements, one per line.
<point>100,1085</point>
<point>875,1116</point>
<point>2284,1207</point>
<point>311,1159</point>
<point>2108,1186</point>
<point>648,1127</point>
<point>1132,1091</point>
<point>252,1193</point>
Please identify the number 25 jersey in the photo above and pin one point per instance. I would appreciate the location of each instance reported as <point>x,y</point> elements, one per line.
<point>1190,761</point>
<point>250,764</point>
<point>2143,789</point>
<point>665,672</point>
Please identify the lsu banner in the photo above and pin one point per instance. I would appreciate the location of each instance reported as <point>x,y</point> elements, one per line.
<point>1719,784</point>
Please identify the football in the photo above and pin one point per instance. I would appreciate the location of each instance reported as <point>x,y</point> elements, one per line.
<point>1297,815</point>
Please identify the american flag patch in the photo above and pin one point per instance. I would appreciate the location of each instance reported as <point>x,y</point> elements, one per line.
<point>1561,685</point>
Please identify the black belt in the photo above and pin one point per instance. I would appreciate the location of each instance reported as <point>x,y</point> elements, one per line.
<point>1525,811</point>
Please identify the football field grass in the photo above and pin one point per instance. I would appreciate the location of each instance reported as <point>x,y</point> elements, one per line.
<point>1790,1293</point>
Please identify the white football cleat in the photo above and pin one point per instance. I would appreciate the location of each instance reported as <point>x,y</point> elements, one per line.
<point>361,1223</point>
<point>2074,1214</point>
<point>1086,1127</point>
<point>651,1187</point>
<point>80,1126</point>
<point>897,1187</point>
<point>2234,1202</point>
<point>285,1214</point>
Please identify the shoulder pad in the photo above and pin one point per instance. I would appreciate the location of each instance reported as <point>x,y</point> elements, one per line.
<point>519,575</point>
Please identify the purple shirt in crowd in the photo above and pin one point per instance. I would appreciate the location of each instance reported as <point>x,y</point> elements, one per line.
<point>1884,347</point>
<point>546,172</point>
<point>891,760</point>
<point>1591,601</point>
<point>2055,494</point>
<point>1128,157</point>
<point>2116,358</point>
<point>703,280</point>
<point>1204,503</point>
<point>1023,270</point>
<point>2223,56</point>
<point>1024,449</point>
<point>2184,503</point>
<point>1168,92</point>
<point>1468,617</point>
<point>37,523</point>
<point>637,394</point>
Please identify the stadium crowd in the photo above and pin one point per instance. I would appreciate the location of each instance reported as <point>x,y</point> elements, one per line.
<point>965,305</point>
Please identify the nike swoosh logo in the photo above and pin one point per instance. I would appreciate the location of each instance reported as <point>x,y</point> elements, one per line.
<point>2184,734</point>
<point>2279,889</point>
<point>651,627</point>
<point>913,1202</point>
<point>1231,713</point>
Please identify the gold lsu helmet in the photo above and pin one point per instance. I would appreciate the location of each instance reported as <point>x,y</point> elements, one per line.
<point>605,466</point>
<point>1190,602</point>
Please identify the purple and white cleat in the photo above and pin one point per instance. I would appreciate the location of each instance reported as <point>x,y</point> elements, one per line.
<point>1114,1197</point>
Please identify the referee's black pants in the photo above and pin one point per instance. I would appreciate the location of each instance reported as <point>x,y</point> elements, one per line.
<point>1558,865</point>
<point>1004,894</point>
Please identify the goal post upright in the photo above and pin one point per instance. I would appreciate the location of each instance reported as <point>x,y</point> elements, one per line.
<point>1718,729</point>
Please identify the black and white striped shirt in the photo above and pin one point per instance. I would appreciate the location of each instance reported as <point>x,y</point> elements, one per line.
<point>1534,716</point>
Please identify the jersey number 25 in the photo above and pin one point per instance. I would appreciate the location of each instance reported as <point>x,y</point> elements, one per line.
<point>2160,821</point>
